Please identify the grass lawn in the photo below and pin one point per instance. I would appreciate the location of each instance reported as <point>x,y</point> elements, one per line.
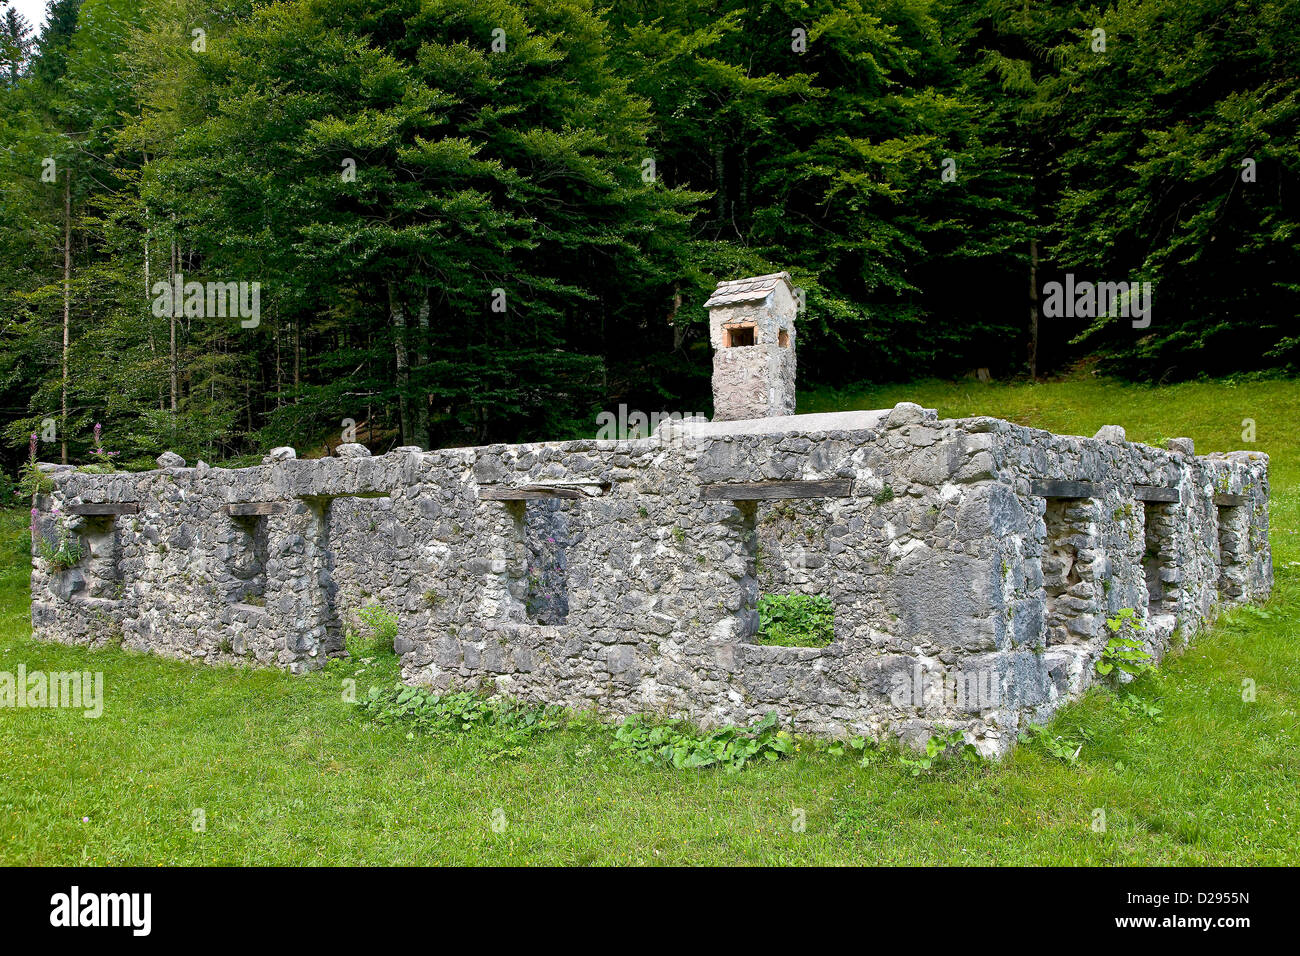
<point>287,773</point>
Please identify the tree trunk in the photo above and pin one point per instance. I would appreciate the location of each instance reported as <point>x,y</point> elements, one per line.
<point>148,292</point>
<point>744,194</point>
<point>67,303</point>
<point>398,318</point>
<point>719,176</point>
<point>172,348</point>
<point>147,284</point>
<point>421,432</point>
<point>1033,309</point>
<point>679,328</point>
<point>279,370</point>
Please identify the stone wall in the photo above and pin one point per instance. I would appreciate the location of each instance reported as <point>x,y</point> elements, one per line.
<point>971,564</point>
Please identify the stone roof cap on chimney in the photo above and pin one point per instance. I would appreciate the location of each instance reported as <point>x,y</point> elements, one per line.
<point>753,289</point>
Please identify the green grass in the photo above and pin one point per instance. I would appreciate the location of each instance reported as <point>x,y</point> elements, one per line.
<point>287,774</point>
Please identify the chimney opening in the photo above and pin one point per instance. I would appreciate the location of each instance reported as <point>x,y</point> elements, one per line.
<point>739,336</point>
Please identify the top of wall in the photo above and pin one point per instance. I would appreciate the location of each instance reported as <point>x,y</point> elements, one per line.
<point>914,431</point>
<point>786,424</point>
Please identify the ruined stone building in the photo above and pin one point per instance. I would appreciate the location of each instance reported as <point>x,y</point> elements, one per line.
<point>972,564</point>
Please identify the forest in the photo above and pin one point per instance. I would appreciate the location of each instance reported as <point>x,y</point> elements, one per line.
<point>444,222</point>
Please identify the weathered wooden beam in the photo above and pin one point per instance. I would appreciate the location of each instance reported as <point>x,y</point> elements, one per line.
<point>526,493</point>
<point>105,508</point>
<point>245,508</point>
<point>1225,500</point>
<point>1155,493</point>
<point>776,490</point>
<point>1065,489</point>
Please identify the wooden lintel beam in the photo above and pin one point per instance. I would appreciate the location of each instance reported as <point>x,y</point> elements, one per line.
<point>527,493</point>
<point>105,508</point>
<point>1065,489</point>
<point>1225,500</point>
<point>1155,493</point>
<point>776,490</point>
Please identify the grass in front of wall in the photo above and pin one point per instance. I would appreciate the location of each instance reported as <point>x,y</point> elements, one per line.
<point>285,773</point>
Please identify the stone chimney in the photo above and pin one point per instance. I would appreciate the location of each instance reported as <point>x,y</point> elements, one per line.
<point>751,327</point>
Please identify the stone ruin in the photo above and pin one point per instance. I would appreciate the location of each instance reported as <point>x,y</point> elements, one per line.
<point>972,563</point>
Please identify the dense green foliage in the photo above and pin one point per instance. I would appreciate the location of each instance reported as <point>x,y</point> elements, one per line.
<point>478,220</point>
<point>420,710</point>
<point>683,747</point>
<point>796,620</point>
